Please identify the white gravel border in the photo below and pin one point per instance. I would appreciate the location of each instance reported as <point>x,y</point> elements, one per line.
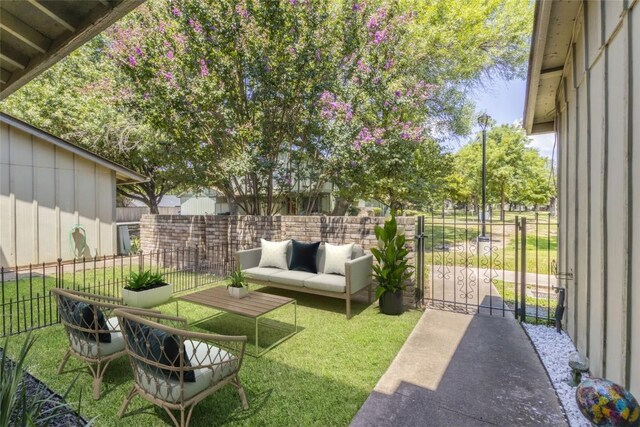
<point>554,350</point>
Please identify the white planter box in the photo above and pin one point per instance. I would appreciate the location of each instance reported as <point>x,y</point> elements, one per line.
<point>148,298</point>
<point>238,292</point>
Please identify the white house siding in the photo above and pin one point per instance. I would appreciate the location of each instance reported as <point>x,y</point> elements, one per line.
<point>598,129</point>
<point>202,205</point>
<point>44,191</point>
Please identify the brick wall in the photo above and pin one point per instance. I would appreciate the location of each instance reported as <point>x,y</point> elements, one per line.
<point>226,234</point>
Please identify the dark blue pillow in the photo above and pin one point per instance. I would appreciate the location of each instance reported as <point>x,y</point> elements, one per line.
<point>303,256</point>
<point>85,316</point>
<point>158,340</point>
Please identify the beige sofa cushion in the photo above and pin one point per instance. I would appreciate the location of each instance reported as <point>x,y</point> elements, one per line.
<point>291,277</point>
<point>327,282</point>
<point>261,273</point>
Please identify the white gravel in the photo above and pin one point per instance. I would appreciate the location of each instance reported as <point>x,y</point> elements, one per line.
<point>555,350</point>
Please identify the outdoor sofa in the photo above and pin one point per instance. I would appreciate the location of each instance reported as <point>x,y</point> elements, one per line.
<point>357,275</point>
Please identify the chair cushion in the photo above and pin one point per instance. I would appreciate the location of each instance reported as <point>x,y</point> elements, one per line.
<point>85,315</point>
<point>335,256</point>
<point>290,277</point>
<point>220,363</point>
<point>304,256</point>
<point>261,273</point>
<point>163,348</point>
<point>327,282</point>
<point>89,348</point>
<point>274,254</point>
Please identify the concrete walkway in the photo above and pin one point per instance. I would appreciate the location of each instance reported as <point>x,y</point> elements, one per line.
<point>462,370</point>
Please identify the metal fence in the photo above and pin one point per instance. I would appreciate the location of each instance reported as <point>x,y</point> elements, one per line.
<point>26,302</point>
<point>502,267</point>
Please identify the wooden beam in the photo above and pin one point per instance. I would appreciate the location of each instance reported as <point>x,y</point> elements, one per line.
<point>91,25</point>
<point>23,32</point>
<point>550,73</point>
<point>545,127</point>
<point>4,76</point>
<point>13,59</point>
<point>51,14</point>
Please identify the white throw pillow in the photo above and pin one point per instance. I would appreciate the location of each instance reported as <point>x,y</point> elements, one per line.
<point>274,254</point>
<point>335,256</point>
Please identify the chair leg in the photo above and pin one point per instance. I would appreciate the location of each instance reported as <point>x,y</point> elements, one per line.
<point>348,307</point>
<point>243,397</point>
<point>127,399</point>
<point>64,361</point>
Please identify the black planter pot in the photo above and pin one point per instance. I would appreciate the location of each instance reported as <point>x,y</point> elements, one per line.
<point>391,303</point>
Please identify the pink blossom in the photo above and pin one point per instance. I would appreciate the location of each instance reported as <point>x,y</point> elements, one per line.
<point>388,64</point>
<point>363,67</point>
<point>132,61</point>
<point>357,7</point>
<point>373,23</point>
<point>195,25</point>
<point>169,54</point>
<point>204,70</point>
<point>138,51</point>
<point>176,12</point>
<point>293,2</point>
<point>379,37</point>
<point>242,11</point>
<point>167,75</point>
<point>348,115</point>
<point>376,80</point>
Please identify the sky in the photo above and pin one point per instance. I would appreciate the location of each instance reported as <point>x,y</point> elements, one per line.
<point>504,102</point>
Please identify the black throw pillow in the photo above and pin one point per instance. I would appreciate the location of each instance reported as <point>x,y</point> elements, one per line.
<point>303,256</point>
<point>162,348</point>
<point>85,315</point>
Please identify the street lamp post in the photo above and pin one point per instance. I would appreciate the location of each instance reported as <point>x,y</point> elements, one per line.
<point>483,121</point>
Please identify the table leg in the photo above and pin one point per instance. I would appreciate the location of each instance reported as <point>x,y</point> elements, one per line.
<point>257,339</point>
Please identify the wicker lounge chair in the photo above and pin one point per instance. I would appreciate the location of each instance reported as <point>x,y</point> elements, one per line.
<point>93,331</point>
<point>174,368</point>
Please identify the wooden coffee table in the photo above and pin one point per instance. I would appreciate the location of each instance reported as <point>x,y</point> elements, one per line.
<point>253,306</point>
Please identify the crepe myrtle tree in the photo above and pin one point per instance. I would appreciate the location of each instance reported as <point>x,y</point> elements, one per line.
<point>235,84</point>
<point>377,119</point>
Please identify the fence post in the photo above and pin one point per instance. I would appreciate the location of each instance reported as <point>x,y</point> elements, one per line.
<point>523,272</point>
<point>197,264</point>
<point>516,309</point>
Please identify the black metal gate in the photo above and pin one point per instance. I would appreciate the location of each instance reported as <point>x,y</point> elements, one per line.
<point>507,269</point>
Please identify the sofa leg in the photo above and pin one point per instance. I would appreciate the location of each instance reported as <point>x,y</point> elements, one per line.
<point>348,307</point>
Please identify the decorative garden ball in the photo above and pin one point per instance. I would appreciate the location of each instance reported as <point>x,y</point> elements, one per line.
<point>607,404</point>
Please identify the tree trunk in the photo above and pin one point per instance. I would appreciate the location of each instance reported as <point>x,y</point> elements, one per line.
<point>341,207</point>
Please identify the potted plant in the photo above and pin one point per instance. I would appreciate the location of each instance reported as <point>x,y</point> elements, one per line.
<point>146,289</point>
<point>238,284</point>
<point>391,270</point>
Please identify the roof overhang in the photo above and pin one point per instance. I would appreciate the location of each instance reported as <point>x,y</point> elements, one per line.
<point>35,34</point>
<point>123,175</point>
<point>552,36</point>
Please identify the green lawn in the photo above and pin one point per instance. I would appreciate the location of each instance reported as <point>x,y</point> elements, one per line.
<point>319,377</point>
<point>27,302</point>
<point>545,305</point>
<point>460,239</point>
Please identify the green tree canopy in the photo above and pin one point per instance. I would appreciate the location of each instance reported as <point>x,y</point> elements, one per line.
<point>516,173</point>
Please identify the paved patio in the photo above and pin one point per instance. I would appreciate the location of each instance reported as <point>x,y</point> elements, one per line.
<point>462,370</point>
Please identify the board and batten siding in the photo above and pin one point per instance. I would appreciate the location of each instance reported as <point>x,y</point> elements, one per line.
<point>598,131</point>
<point>44,192</point>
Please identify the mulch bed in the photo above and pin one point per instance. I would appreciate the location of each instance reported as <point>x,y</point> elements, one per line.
<point>36,389</point>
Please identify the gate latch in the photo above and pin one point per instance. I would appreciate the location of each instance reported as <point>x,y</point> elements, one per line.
<point>561,275</point>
